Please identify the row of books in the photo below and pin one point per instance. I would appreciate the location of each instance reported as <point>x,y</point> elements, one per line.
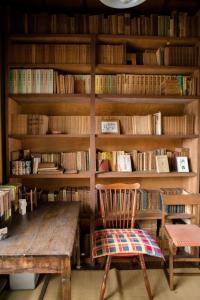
<point>72,84</point>
<point>148,200</point>
<point>171,209</point>
<point>81,194</point>
<point>151,124</point>
<point>31,81</point>
<point>34,124</point>
<point>177,56</point>
<point>49,163</point>
<point>66,54</point>
<point>178,125</point>
<point>47,81</point>
<point>106,54</point>
<point>160,160</point>
<point>50,53</point>
<point>158,85</point>
<point>37,81</point>
<point>178,24</point>
<point>152,200</point>
<point>9,195</point>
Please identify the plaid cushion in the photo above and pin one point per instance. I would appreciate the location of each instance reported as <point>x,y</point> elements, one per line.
<point>124,242</point>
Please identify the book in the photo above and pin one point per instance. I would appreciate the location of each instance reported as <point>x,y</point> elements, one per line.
<point>103,165</point>
<point>124,163</point>
<point>157,119</point>
<point>162,164</point>
<point>182,164</point>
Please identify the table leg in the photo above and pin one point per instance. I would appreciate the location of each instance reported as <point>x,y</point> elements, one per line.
<point>78,254</point>
<point>66,279</point>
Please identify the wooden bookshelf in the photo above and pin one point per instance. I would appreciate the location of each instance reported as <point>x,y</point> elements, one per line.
<point>128,99</point>
<point>50,136</point>
<point>50,98</point>
<point>144,136</point>
<point>72,68</point>
<point>142,69</point>
<point>80,175</point>
<point>144,174</point>
<point>144,42</point>
<point>93,105</point>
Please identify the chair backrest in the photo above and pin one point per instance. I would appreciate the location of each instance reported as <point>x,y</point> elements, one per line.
<point>185,206</point>
<point>118,204</point>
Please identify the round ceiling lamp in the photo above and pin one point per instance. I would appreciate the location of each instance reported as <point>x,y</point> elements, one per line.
<point>122,3</point>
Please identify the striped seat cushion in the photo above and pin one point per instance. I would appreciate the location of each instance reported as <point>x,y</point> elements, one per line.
<point>184,234</point>
<point>127,242</point>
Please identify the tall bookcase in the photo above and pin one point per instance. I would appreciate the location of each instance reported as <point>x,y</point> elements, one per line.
<point>104,105</point>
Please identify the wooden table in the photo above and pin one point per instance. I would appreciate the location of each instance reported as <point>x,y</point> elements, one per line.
<point>42,242</point>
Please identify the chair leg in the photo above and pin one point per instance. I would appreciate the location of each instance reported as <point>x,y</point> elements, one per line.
<point>171,271</point>
<point>103,285</point>
<point>146,279</point>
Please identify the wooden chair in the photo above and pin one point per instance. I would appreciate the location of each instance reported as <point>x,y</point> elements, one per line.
<point>181,235</point>
<point>119,238</point>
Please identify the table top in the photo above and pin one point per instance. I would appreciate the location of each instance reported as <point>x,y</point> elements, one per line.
<point>49,230</point>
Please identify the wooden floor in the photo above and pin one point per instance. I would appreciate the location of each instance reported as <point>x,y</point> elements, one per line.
<point>122,285</point>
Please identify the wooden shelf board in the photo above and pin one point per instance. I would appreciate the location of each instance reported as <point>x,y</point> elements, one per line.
<point>48,136</point>
<point>103,98</point>
<point>59,37</point>
<point>53,176</point>
<point>148,215</point>
<point>73,68</point>
<point>111,69</point>
<point>144,42</point>
<point>143,174</point>
<point>179,216</point>
<point>134,40</point>
<point>142,69</point>
<point>144,136</point>
<point>50,98</point>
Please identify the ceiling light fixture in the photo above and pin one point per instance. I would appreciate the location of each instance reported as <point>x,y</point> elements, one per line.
<point>122,3</point>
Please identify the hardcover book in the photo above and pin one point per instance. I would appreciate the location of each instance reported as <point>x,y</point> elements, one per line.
<point>162,164</point>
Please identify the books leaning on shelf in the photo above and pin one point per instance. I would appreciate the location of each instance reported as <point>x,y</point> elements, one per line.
<point>160,160</point>
<point>162,164</point>
<point>182,164</point>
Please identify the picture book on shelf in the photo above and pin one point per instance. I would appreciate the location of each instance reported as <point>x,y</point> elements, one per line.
<point>162,164</point>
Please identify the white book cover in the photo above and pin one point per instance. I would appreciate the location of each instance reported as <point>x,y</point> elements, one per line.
<point>158,123</point>
<point>124,163</point>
